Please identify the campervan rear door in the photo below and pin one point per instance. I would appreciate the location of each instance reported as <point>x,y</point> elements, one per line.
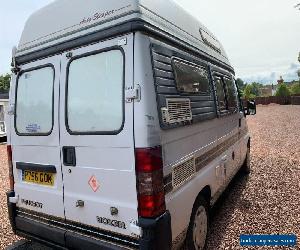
<point>34,137</point>
<point>96,123</point>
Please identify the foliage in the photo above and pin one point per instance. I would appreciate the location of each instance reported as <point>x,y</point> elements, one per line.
<point>283,91</point>
<point>295,89</point>
<point>256,88</point>
<point>4,83</point>
<point>249,92</point>
<point>240,83</point>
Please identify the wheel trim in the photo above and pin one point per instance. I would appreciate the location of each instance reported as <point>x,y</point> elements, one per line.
<point>200,228</point>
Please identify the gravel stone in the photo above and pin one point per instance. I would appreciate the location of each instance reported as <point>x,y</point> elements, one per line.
<point>268,201</point>
<point>265,202</point>
<point>6,235</point>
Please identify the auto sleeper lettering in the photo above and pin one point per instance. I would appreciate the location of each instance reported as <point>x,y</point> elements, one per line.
<point>97,16</point>
<point>113,223</point>
<point>101,15</point>
<point>32,203</point>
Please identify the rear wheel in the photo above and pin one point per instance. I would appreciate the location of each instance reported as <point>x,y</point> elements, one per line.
<point>198,228</point>
<point>246,168</point>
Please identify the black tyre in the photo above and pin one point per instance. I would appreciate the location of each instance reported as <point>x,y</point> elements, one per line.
<point>246,168</point>
<point>198,229</point>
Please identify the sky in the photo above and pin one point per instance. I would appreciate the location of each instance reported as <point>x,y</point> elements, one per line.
<point>261,37</point>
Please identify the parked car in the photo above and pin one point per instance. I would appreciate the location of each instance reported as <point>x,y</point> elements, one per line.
<point>125,126</point>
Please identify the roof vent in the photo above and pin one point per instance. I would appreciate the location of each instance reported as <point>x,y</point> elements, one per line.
<point>178,110</point>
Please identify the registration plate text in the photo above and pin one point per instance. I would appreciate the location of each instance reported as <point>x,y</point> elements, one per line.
<point>40,178</point>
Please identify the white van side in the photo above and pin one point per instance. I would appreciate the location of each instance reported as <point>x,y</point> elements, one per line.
<point>125,126</point>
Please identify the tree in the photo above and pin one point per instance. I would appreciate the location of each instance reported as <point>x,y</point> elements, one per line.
<point>283,90</point>
<point>240,83</point>
<point>249,92</point>
<point>4,83</point>
<point>256,88</point>
<point>295,89</point>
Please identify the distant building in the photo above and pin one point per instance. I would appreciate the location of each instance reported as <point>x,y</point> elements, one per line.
<point>3,106</point>
<point>268,90</point>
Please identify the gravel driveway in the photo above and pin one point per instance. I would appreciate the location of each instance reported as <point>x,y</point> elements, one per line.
<point>266,202</point>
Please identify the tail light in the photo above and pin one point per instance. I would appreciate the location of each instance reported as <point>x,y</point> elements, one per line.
<point>10,168</point>
<point>150,186</point>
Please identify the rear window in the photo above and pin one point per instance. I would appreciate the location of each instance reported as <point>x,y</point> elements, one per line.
<point>95,94</point>
<point>190,78</point>
<point>34,103</point>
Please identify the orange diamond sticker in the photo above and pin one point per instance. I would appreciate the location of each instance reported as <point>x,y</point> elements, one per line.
<point>94,184</point>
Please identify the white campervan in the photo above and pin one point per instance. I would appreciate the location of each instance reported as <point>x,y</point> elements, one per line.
<point>125,126</point>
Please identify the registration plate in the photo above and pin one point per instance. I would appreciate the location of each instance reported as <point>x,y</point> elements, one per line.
<point>41,178</point>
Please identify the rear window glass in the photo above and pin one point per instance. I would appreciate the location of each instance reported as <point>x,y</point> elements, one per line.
<point>191,79</point>
<point>95,93</point>
<point>34,106</point>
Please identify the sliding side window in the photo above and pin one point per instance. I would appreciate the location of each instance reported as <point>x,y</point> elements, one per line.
<point>221,95</point>
<point>231,94</point>
<point>190,78</point>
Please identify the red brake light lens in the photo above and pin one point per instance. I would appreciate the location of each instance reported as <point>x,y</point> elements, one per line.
<point>148,159</point>
<point>149,168</point>
<point>152,205</point>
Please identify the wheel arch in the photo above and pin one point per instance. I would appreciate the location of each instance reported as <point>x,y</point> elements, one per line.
<point>205,193</point>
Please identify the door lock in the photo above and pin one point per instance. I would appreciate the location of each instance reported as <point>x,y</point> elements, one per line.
<point>80,203</point>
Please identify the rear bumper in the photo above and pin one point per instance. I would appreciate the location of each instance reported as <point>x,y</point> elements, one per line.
<point>64,235</point>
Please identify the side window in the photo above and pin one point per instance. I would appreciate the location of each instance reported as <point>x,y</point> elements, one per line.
<point>221,96</point>
<point>231,94</point>
<point>190,78</point>
<point>240,103</point>
<point>34,103</point>
<point>95,96</point>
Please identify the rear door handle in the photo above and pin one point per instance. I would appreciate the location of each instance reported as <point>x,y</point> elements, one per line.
<point>69,156</point>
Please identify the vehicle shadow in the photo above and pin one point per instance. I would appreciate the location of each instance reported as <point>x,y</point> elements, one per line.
<point>222,212</point>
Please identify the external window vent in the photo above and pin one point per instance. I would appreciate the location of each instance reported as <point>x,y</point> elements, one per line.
<point>183,172</point>
<point>178,110</point>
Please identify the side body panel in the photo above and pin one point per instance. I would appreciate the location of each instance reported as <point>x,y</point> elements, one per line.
<point>215,144</point>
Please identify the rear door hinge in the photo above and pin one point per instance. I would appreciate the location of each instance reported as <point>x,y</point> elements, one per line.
<point>11,109</point>
<point>133,94</point>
